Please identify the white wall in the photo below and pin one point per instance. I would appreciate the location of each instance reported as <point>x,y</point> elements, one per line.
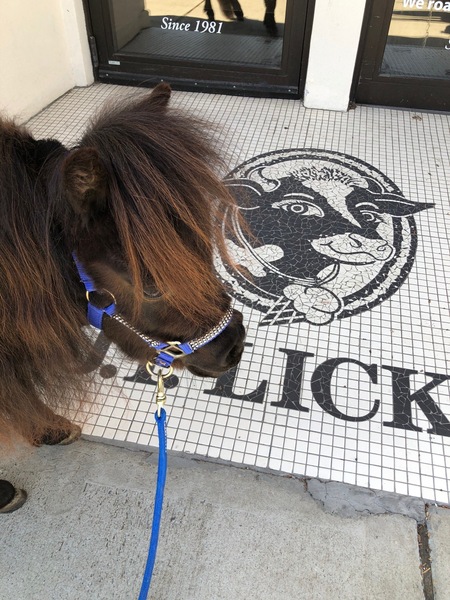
<point>43,53</point>
<point>334,45</point>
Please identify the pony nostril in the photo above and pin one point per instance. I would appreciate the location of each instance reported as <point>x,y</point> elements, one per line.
<point>235,354</point>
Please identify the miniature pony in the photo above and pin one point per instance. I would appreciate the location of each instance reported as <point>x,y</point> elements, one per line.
<point>139,203</point>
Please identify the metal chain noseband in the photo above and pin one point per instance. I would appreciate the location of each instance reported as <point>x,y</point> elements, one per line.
<point>212,333</point>
<point>180,348</point>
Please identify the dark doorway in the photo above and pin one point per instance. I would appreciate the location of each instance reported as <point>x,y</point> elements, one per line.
<point>405,55</point>
<point>246,46</point>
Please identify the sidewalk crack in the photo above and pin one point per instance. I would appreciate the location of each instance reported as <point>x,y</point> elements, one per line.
<point>425,558</point>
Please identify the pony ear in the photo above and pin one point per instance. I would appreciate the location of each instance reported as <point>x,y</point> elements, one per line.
<point>160,96</point>
<point>44,148</point>
<point>85,182</point>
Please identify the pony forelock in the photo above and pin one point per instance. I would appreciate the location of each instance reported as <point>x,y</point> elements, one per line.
<point>168,202</point>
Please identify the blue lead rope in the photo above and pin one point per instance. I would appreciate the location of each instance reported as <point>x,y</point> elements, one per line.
<point>167,352</point>
<point>157,511</point>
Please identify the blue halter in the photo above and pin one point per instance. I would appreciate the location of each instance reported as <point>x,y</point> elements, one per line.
<point>167,352</point>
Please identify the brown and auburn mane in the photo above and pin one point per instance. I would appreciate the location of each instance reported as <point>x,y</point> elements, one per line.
<point>172,165</point>
<point>153,173</point>
<point>41,343</point>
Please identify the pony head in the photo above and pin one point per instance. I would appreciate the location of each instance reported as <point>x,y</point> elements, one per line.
<point>140,203</point>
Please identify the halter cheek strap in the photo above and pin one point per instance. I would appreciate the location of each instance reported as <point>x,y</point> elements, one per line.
<point>94,313</point>
<point>167,352</point>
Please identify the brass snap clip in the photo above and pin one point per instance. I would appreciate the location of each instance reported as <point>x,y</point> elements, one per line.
<point>160,389</point>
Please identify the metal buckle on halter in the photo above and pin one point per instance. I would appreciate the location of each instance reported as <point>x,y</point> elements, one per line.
<point>167,352</point>
<point>95,313</point>
<point>99,292</point>
<point>173,349</point>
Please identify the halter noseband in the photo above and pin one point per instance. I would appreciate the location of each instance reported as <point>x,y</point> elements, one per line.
<point>167,352</point>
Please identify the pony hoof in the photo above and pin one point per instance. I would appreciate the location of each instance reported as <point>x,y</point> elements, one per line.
<point>61,438</point>
<point>10,498</point>
<point>72,437</point>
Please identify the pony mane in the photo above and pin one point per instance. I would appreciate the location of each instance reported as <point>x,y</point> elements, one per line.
<point>42,346</point>
<point>168,203</point>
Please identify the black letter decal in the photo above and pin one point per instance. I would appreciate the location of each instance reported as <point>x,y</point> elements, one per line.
<point>293,379</point>
<point>321,387</point>
<point>224,387</point>
<point>403,398</point>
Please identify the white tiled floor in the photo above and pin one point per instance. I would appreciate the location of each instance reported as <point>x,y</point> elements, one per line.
<point>408,330</point>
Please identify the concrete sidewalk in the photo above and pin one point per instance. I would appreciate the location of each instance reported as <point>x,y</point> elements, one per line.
<point>227,533</point>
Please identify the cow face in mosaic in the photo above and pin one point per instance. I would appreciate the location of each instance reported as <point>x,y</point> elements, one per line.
<point>322,230</point>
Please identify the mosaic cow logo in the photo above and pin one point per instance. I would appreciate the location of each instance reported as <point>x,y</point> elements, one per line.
<point>333,236</point>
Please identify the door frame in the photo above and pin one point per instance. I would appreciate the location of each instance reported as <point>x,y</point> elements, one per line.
<point>369,87</point>
<point>287,82</point>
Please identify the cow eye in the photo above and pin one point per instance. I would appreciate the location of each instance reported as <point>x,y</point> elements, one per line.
<point>370,217</point>
<point>299,207</point>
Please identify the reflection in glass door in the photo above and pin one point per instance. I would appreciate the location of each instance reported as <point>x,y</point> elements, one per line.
<point>231,36</point>
<point>418,42</point>
<point>241,44</point>
<point>406,56</point>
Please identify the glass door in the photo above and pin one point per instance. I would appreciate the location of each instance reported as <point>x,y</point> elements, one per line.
<point>406,55</point>
<point>235,45</point>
